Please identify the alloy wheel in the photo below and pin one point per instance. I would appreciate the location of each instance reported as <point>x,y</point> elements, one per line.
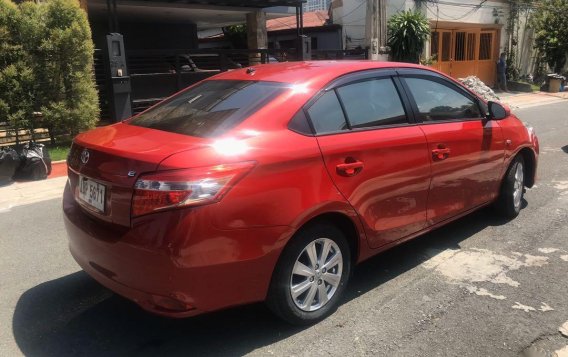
<point>518,185</point>
<point>316,274</point>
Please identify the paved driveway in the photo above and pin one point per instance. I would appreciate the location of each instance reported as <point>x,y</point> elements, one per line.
<point>478,287</point>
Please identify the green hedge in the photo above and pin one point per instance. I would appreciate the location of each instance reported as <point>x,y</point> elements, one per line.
<point>408,32</point>
<point>46,65</point>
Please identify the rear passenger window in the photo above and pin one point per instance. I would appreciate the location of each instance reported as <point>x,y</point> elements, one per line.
<point>326,114</point>
<point>210,108</point>
<point>372,103</point>
<point>436,101</point>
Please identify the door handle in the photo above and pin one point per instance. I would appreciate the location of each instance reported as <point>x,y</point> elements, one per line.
<point>441,152</point>
<point>349,169</point>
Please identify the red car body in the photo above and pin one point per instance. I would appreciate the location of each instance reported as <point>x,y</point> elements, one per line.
<point>382,186</point>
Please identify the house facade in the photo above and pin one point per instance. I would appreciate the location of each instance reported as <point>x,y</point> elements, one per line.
<point>148,50</point>
<point>316,5</point>
<point>467,35</point>
<point>322,34</point>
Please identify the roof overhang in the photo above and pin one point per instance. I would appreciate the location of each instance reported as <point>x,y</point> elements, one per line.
<point>234,3</point>
<point>205,14</point>
<point>455,25</point>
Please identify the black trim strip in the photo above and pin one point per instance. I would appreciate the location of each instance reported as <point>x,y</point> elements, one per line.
<point>406,102</point>
<point>360,76</point>
<point>368,128</point>
<point>345,115</point>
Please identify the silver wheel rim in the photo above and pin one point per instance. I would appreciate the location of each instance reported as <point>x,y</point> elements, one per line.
<point>316,274</point>
<point>518,185</point>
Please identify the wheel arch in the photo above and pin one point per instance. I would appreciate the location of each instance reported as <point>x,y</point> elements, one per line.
<point>340,216</point>
<point>529,157</point>
<point>347,227</point>
<point>338,220</point>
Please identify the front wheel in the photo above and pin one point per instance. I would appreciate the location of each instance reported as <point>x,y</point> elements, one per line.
<point>510,198</point>
<point>311,275</point>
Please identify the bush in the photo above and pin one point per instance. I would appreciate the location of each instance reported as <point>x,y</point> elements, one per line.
<point>46,62</point>
<point>16,78</point>
<point>551,32</point>
<point>236,35</point>
<point>408,32</point>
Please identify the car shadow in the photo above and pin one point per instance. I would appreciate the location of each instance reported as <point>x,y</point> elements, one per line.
<point>74,315</point>
<point>565,148</point>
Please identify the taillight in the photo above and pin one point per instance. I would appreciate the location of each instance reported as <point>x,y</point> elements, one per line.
<point>187,187</point>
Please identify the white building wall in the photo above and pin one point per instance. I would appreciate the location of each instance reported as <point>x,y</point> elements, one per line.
<point>351,14</point>
<point>467,13</point>
<point>526,53</point>
<point>395,6</point>
<point>316,5</point>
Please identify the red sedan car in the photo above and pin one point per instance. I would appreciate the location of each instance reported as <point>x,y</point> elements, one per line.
<point>270,183</point>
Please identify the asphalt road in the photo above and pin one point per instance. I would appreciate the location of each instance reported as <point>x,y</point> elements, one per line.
<point>478,287</point>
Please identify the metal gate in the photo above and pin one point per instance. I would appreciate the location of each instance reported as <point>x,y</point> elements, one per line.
<point>464,52</point>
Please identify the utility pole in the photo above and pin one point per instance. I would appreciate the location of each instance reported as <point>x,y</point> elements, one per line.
<point>376,30</point>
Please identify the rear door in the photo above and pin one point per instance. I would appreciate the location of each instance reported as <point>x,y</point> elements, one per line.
<point>374,153</point>
<point>466,149</point>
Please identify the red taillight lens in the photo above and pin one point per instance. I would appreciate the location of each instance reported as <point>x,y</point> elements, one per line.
<point>188,187</point>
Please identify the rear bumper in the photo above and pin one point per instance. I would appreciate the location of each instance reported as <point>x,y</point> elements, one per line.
<point>175,263</point>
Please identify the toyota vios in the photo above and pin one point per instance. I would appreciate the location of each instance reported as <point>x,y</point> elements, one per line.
<point>270,183</point>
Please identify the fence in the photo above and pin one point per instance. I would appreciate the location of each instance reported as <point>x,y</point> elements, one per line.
<point>10,136</point>
<point>157,74</point>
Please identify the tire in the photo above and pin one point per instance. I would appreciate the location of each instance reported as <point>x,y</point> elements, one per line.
<point>319,290</point>
<point>510,198</point>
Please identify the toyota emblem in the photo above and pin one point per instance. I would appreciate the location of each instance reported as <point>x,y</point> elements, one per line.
<point>85,156</point>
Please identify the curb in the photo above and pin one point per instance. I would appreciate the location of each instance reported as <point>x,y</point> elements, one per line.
<point>534,99</point>
<point>58,169</point>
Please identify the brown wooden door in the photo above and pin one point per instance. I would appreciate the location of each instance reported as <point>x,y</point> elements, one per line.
<point>465,52</point>
<point>487,57</point>
<point>444,54</point>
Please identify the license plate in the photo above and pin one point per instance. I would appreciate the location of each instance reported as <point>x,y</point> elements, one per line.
<point>92,193</point>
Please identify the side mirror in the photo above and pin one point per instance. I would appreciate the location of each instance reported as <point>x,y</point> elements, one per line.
<point>497,111</point>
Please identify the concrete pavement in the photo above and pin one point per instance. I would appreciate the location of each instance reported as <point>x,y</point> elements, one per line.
<point>24,193</point>
<point>529,100</point>
<point>27,192</point>
<point>478,287</point>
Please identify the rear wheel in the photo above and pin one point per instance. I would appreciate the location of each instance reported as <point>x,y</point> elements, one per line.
<point>512,190</point>
<point>311,275</point>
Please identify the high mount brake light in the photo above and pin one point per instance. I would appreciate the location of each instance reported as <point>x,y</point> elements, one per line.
<point>188,187</point>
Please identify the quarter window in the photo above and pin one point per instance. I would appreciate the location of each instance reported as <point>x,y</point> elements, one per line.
<point>436,101</point>
<point>326,114</point>
<point>372,103</point>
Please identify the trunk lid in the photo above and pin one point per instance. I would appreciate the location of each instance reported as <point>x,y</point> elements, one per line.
<point>114,156</point>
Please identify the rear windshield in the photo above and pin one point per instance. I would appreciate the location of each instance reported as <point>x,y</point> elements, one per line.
<point>209,108</point>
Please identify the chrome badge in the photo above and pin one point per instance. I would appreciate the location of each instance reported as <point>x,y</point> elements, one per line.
<point>85,156</point>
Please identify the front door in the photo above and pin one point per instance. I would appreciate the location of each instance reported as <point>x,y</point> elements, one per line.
<point>465,52</point>
<point>441,49</point>
<point>466,150</point>
<point>375,156</point>
<point>487,57</point>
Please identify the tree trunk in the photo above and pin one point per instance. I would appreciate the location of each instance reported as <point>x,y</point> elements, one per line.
<point>51,135</point>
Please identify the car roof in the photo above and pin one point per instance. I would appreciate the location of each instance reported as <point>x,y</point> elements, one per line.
<point>318,73</point>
